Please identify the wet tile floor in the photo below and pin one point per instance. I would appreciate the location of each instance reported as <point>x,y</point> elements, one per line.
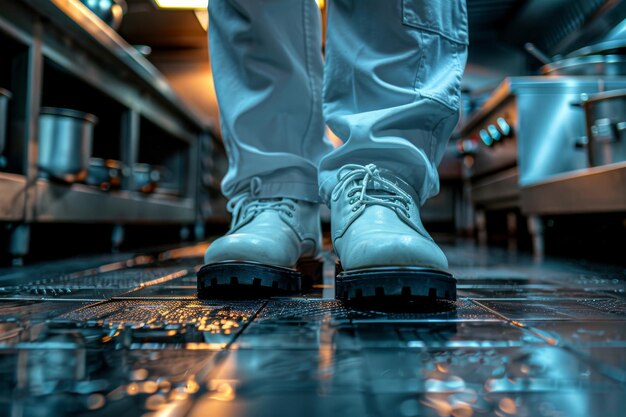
<point>125,335</point>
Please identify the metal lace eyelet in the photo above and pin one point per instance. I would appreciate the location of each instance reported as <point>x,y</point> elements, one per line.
<point>289,214</point>
<point>353,200</point>
<point>355,208</point>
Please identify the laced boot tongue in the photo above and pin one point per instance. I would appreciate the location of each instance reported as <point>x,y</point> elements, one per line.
<point>397,181</point>
<point>376,188</point>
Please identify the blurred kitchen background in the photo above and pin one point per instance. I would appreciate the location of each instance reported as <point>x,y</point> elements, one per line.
<point>109,129</point>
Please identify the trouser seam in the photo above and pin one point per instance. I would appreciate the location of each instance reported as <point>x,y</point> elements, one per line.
<point>309,71</point>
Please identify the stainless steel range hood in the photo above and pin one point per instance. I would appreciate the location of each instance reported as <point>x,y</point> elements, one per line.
<point>561,26</point>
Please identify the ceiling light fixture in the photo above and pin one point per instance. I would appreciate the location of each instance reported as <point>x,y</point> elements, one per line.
<point>183,4</point>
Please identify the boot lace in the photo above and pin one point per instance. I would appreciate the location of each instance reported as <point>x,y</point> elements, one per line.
<point>355,179</point>
<point>245,205</point>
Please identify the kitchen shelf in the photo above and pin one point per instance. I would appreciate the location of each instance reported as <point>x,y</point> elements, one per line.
<point>63,55</point>
<point>594,190</point>
<point>80,203</point>
<point>89,33</point>
<point>158,148</point>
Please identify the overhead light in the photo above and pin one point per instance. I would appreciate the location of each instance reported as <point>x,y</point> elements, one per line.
<point>183,4</point>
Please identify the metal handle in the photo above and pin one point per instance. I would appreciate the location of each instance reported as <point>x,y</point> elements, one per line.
<point>537,53</point>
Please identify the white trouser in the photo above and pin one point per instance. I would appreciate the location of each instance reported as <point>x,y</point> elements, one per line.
<point>389,88</point>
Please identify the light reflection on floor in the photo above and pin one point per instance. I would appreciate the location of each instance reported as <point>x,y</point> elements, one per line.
<point>129,338</point>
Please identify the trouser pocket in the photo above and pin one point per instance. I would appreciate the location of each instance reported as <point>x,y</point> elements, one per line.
<point>441,29</point>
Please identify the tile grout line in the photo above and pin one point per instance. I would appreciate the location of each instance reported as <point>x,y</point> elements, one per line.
<point>548,340</point>
<point>245,326</point>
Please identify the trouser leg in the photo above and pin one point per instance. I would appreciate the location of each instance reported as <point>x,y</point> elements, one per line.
<point>267,69</point>
<point>392,86</point>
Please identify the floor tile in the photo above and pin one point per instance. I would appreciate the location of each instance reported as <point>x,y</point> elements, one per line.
<point>126,336</point>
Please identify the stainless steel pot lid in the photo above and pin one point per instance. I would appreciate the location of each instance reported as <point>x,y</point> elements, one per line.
<point>56,111</point>
<point>582,60</point>
<point>604,48</point>
<point>109,163</point>
<point>5,93</point>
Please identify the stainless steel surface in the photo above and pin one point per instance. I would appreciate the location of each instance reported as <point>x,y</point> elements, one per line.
<point>65,143</point>
<point>110,11</point>
<point>490,155</point>
<point>5,96</point>
<point>500,190</point>
<point>579,23</point>
<point>601,65</point>
<point>592,190</point>
<point>81,203</point>
<point>606,127</point>
<point>613,47</point>
<point>545,126</point>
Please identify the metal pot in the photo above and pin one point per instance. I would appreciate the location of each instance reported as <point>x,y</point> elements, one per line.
<point>106,174</point>
<point>65,140</point>
<point>110,11</point>
<point>611,65</point>
<point>605,115</point>
<point>5,96</point>
<point>145,178</point>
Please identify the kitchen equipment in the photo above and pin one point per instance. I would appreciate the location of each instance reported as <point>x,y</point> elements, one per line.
<point>522,153</point>
<point>105,173</point>
<point>5,96</point>
<point>145,178</point>
<point>611,65</point>
<point>613,47</point>
<point>600,59</point>
<point>529,124</point>
<point>65,141</point>
<point>606,126</point>
<point>110,11</point>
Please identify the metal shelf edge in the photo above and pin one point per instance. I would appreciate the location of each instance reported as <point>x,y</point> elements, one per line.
<point>79,203</point>
<point>593,190</point>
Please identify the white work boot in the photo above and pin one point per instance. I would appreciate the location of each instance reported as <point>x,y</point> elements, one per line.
<point>381,243</point>
<point>271,242</point>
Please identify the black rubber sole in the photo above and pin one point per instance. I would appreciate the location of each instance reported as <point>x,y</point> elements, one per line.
<point>395,284</point>
<point>250,280</point>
